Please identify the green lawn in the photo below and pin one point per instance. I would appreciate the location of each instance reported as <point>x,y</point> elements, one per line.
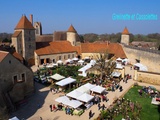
<point>149,111</point>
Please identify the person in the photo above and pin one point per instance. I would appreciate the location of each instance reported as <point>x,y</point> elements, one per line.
<point>90,114</point>
<point>120,88</point>
<point>50,107</point>
<point>103,107</point>
<point>99,106</point>
<point>54,107</point>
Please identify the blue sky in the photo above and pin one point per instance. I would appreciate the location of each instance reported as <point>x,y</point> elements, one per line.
<point>87,16</point>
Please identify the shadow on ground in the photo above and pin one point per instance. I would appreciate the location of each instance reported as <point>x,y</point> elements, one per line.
<point>34,102</point>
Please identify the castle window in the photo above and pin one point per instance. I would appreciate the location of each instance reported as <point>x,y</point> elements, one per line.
<point>36,31</point>
<point>59,57</point>
<point>23,77</point>
<point>9,61</point>
<point>69,56</point>
<point>72,55</point>
<point>15,78</point>
<point>64,57</point>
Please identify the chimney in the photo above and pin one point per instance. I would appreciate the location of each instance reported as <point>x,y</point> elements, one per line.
<point>31,19</point>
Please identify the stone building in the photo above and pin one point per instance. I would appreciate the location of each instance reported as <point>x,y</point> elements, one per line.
<point>16,80</point>
<point>23,39</point>
<point>125,36</point>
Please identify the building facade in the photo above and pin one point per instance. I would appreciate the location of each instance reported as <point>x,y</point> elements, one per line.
<point>16,79</point>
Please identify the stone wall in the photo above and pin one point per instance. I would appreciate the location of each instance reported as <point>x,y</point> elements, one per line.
<point>149,58</point>
<point>147,77</point>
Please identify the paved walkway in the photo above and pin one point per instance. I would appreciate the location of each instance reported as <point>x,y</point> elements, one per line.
<point>38,104</point>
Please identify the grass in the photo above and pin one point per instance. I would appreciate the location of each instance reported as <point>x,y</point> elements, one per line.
<point>149,111</point>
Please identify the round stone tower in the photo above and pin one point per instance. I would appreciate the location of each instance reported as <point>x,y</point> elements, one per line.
<point>125,36</point>
<point>71,35</point>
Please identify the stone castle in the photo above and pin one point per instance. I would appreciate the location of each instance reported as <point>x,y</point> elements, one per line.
<point>26,36</point>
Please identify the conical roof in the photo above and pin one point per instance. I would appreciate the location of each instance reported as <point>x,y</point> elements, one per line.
<point>24,23</point>
<point>125,31</point>
<point>71,29</point>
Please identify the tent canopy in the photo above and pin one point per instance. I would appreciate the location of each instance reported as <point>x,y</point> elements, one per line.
<point>119,59</point>
<point>98,89</point>
<point>116,74</point>
<point>141,67</point>
<point>66,81</point>
<point>81,61</point>
<point>75,59</point>
<point>74,94</point>
<point>83,89</point>
<point>89,85</point>
<point>85,97</point>
<point>57,77</point>
<point>66,101</point>
<point>59,62</point>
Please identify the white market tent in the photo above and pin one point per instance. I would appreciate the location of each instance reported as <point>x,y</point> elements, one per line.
<point>119,59</point>
<point>57,77</point>
<point>141,67</point>
<point>85,97</point>
<point>66,101</point>
<point>119,66</point>
<point>98,89</point>
<point>74,94</point>
<point>81,61</point>
<point>89,86</point>
<point>75,103</point>
<point>116,74</point>
<point>59,62</point>
<point>62,99</point>
<point>51,65</point>
<point>75,59</point>
<point>83,89</point>
<point>83,70</point>
<point>14,118</point>
<point>66,81</point>
<point>93,62</point>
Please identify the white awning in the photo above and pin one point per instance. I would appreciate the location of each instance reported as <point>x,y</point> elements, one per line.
<point>85,97</point>
<point>74,94</point>
<point>65,81</point>
<point>98,89</point>
<point>57,77</point>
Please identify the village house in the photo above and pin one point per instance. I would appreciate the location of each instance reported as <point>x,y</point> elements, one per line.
<point>16,80</point>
